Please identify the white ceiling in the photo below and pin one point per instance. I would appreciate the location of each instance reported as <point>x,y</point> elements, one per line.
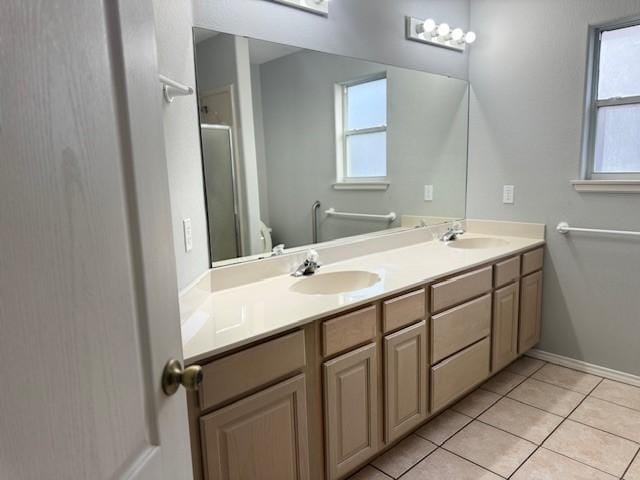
<point>201,34</point>
<point>262,52</point>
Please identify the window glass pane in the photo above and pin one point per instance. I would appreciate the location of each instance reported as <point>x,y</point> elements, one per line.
<point>617,147</point>
<point>619,63</point>
<point>367,155</point>
<point>367,104</point>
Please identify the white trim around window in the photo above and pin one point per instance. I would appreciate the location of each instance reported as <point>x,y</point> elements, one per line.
<point>590,180</point>
<point>344,182</point>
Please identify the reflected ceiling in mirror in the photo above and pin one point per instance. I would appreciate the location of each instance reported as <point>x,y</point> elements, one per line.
<point>301,147</point>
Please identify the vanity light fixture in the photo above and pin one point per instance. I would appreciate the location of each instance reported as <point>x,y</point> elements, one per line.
<point>439,34</point>
<point>321,7</point>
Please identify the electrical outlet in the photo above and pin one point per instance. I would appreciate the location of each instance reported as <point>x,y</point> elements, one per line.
<point>188,236</point>
<point>508,194</point>
<point>428,193</point>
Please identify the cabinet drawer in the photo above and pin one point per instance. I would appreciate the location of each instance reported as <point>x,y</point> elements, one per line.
<point>347,331</point>
<point>458,289</point>
<point>404,310</point>
<point>248,369</point>
<point>455,329</point>
<point>532,261</point>
<point>507,271</point>
<point>457,374</point>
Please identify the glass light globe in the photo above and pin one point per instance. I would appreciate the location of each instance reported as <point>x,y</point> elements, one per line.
<point>443,29</point>
<point>457,35</point>
<point>429,25</point>
<point>470,37</point>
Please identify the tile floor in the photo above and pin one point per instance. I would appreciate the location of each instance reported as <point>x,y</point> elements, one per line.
<point>533,421</point>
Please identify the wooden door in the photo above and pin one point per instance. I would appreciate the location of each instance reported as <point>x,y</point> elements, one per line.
<point>504,347</point>
<point>530,311</point>
<point>88,291</point>
<point>406,385</point>
<point>262,436</point>
<point>351,410</point>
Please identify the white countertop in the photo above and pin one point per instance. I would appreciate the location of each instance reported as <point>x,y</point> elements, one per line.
<point>219,321</point>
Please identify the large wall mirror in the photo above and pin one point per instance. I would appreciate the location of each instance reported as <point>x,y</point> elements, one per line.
<point>301,147</point>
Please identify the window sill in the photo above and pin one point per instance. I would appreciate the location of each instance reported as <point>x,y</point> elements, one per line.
<point>361,185</point>
<point>606,186</point>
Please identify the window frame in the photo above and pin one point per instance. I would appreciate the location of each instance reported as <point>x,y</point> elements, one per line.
<point>342,134</point>
<point>593,104</point>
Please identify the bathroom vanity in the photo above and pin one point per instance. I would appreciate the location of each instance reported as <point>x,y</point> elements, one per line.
<point>310,377</point>
<point>341,377</point>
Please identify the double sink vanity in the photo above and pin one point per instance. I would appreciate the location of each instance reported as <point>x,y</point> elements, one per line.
<point>311,377</point>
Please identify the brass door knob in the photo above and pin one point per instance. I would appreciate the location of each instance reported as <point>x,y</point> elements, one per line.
<point>174,375</point>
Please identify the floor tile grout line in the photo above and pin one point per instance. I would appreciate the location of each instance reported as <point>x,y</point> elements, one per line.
<point>536,407</point>
<point>509,391</point>
<point>385,473</point>
<point>604,431</point>
<point>579,371</point>
<point>538,447</point>
<point>544,362</point>
<point>636,456</point>
<point>453,434</point>
<point>418,463</point>
<point>578,461</point>
<point>565,388</point>
<point>492,404</point>
<point>511,433</point>
<point>618,381</point>
<point>614,403</point>
<point>471,461</point>
<point>564,421</point>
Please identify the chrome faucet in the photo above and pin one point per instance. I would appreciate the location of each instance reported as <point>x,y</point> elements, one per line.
<point>309,266</point>
<point>277,250</point>
<point>452,234</point>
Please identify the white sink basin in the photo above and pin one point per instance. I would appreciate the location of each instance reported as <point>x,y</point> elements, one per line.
<point>477,243</point>
<point>335,282</point>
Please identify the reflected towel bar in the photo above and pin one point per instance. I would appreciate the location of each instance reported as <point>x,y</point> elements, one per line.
<point>389,217</point>
<point>564,228</point>
<point>171,88</point>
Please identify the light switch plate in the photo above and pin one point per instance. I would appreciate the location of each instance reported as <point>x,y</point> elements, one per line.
<point>508,194</point>
<point>428,193</point>
<point>188,236</point>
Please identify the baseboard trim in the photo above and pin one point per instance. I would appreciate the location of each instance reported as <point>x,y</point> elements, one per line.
<point>585,367</point>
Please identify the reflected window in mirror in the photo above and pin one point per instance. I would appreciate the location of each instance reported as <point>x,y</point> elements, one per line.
<point>361,129</point>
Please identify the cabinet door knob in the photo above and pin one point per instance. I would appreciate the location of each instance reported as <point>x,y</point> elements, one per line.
<point>174,375</point>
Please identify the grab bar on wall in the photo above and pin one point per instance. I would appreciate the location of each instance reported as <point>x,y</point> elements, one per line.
<point>171,88</point>
<point>564,228</point>
<point>389,217</point>
<point>314,220</point>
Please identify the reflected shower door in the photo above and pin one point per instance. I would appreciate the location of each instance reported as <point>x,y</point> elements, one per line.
<point>220,192</point>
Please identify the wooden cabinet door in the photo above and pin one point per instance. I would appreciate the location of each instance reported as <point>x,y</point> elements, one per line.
<point>505,326</point>
<point>262,436</point>
<point>530,311</point>
<point>406,385</point>
<point>351,410</point>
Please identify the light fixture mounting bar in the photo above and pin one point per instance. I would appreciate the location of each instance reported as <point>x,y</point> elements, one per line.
<point>413,33</point>
<point>320,7</point>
